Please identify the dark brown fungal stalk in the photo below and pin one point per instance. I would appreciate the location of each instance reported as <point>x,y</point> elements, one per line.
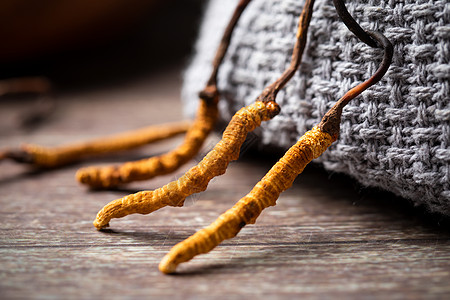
<point>270,92</point>
<point>332,119</point>
<point>352,25</point>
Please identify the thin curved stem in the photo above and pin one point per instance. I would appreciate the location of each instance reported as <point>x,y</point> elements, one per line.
<point>270,93</point>
<point>331,121</point>
<point>225,41</point>
<point>352,25</point>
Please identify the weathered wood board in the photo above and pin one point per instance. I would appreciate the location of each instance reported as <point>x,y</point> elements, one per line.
<point>326,238</point>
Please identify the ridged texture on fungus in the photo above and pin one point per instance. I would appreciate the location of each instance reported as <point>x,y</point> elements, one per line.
<point>197,178</point>
<point>310,146</point>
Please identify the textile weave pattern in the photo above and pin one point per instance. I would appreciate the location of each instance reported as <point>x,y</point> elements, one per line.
<point>395,136</point>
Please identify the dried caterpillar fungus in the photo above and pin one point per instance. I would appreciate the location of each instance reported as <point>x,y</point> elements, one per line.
<point>52,157</point>
<point>280,177</point>
<point>197,178</point>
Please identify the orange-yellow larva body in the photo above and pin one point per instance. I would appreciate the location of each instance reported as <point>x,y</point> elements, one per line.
<point>280,177</point>
<point>197,178</point>
<point>158,165</point>
<point>52,157</point>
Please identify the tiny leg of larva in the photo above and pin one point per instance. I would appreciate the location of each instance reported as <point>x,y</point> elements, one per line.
<point>197,178</point>
<point>245,211</point>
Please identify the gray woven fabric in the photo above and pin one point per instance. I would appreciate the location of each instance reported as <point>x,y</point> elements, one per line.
<point>395,136</point>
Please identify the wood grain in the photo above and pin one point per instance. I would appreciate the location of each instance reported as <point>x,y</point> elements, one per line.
<point>326,238</point>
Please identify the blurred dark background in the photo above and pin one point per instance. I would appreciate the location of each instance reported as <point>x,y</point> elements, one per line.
<point>82,43</point>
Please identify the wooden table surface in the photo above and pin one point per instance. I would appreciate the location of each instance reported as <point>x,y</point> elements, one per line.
<point>327,236</point>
